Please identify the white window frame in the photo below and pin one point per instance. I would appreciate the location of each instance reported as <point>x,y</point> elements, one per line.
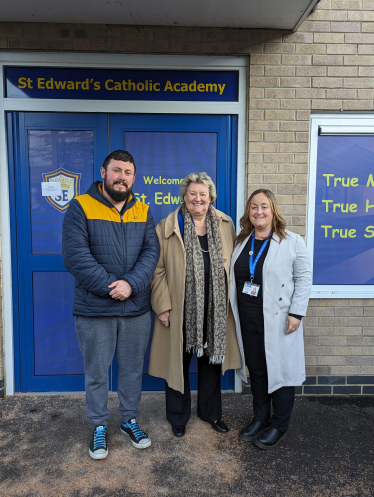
<point>112,61</point>
<point>334,124</point>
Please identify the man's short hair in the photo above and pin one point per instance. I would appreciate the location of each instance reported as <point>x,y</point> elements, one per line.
<point>121,155</point>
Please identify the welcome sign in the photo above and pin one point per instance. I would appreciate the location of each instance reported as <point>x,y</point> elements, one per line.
<point>125,84</point>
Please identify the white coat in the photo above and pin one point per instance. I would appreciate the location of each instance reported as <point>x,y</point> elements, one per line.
<point>286,285</point>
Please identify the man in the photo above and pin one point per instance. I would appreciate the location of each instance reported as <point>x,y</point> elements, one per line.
<point>111,248</point>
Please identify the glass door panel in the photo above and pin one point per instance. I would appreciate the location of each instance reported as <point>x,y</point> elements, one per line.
<point>60,156</point>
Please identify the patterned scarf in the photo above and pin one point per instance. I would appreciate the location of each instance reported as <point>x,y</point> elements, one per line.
<point>215,346</point>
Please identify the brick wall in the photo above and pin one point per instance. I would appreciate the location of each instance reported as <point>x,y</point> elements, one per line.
<point>327,65</point>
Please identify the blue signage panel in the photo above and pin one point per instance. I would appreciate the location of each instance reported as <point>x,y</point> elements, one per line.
<point>56,348</point>
<point>121,84</point>
<point>344,211</point>
<point>166,158</point>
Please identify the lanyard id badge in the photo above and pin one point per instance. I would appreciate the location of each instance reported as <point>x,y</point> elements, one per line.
<point>251,288</point>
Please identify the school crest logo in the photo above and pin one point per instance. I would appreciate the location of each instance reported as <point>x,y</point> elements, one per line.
<point>70,187</point>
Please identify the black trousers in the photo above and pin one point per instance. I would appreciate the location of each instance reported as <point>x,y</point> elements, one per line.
<point>209,407</point>
<point>280,401</point>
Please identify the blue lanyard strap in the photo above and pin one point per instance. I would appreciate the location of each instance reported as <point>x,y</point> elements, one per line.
<point>252,265</point>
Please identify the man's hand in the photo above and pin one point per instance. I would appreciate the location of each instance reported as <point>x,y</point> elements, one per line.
<point>292,324</point>
<point>164,318</point>
<point>121,290</point>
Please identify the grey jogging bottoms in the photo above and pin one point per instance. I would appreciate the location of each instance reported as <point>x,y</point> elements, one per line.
<point>97,338</point>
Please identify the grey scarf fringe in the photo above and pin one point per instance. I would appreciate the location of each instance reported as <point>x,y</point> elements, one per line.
<point>216,359</point>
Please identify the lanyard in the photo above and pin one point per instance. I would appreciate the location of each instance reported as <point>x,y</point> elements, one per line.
<point>252,265</point>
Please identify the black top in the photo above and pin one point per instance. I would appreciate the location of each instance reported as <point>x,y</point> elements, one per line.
<point>204,245</point>
<point>242,273</point>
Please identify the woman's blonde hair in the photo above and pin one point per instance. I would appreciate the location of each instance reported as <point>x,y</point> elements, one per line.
<point>198,178</point>
<point>278,223</point>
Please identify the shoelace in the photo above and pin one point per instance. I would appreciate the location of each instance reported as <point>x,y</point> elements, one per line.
<point>137,431</point>
<point>99,438</point>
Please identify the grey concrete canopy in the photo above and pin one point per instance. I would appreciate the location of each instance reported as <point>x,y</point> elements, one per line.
<point>272,14</point>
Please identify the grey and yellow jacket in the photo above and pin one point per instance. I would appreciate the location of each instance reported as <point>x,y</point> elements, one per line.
<point>100,246</point>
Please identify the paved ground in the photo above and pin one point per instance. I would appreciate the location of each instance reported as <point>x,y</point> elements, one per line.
<point>329,452</point>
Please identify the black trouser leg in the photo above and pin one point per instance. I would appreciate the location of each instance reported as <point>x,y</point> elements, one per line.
<point>254,352</point>
<point>209,407</point>
<point>178,405</point>
<point>282,400</point>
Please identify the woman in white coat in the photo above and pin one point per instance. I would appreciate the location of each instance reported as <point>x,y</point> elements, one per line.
<point>270,282</point>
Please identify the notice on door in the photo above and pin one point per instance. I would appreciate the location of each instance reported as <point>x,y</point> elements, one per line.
<point>50,189</point>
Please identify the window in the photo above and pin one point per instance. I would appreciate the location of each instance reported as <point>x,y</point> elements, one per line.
<point>340,222</point>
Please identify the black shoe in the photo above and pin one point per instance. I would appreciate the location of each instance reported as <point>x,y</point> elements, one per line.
<point>269,438</point>
<point>219,426</point>
<point>98,447</point>
<point>250,432</point>
<point>178,431</point>
<point>139,439</point>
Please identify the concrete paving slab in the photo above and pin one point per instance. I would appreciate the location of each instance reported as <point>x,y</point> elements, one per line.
<point>44,438</point>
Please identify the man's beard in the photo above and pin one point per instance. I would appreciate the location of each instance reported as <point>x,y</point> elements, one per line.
<point>116,195</point>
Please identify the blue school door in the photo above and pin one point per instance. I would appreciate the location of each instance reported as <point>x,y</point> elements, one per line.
<point>65,152</point>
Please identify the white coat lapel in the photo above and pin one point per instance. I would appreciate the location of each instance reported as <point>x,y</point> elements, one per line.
<point>273,249</point>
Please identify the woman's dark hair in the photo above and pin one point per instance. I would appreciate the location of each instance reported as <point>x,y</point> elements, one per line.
<point>278,224</point>
<point>121,155</point>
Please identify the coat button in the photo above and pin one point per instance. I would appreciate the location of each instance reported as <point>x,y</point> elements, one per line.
<point>282,285</point>
<point>280,298</point>
<point>224,260</point>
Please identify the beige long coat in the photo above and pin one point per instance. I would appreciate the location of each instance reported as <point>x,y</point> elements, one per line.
<point>167,293</point>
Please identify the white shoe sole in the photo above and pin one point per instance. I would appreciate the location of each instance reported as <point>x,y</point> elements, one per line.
<point>141,446</point>
<point>95,455</point>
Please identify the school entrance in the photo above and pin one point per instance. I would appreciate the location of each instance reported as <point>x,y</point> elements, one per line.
<point>68,149</point>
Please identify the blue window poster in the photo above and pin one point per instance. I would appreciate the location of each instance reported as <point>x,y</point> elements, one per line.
<point>344,211</point>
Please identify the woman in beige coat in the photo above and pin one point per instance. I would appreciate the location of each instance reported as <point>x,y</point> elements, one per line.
<point>190,297</point>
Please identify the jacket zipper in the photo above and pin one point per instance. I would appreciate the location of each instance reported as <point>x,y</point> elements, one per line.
<point>124,256</point>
